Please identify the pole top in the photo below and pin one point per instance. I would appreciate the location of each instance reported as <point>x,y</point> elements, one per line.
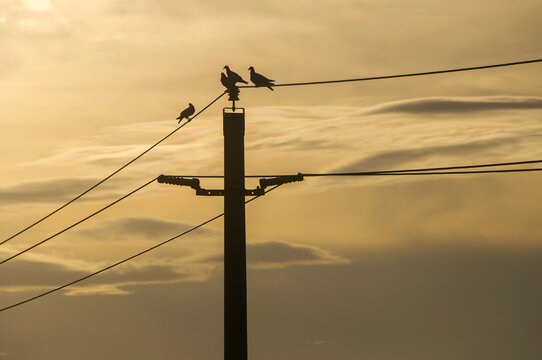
<point>233,110</point>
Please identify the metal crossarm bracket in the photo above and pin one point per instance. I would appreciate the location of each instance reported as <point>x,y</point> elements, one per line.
<point>193,183</point>
<point>179,180</point>
<point>205,192</point>
<point>255,192</point>
<point>259,191</point>
<point>279,180</point>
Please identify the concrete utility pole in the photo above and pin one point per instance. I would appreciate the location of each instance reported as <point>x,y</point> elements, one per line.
<point>235,271</point>
<point>235,268</point>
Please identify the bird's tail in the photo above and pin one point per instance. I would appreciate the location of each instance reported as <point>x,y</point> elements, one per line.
<point>270,88</point>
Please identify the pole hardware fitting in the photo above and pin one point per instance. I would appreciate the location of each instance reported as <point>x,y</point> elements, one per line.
<point>179,180</point>
<point>275,181</point>
<point>279,180</point>
<point>193,183</point>
<point>229,110</point>
<point>206,192</point>
<point>259,191</point>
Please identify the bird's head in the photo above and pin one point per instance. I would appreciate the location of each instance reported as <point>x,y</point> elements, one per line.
<point>226,67</point>
<point>251,68</point>
<point>190,104</point>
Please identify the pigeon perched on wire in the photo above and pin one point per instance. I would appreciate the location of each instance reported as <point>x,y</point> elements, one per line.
<point>259,80</point>
<point>233,76</point>
<point>186,113</point>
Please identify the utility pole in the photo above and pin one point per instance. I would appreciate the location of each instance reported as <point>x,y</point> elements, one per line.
<point>235,268</point>
<point>235,271</point>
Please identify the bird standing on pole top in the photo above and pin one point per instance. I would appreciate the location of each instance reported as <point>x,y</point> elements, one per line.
<point>231,88</point>
<point>260,80</point>
<point>233,76</point>
<point>186,113</point>
<point>226,82</point>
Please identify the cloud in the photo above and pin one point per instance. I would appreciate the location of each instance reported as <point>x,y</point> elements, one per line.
<point>407,304</point>
<point>190,155</point>
<point>43,273</point>
<point>387,160</point>
<point>350,138</point>
<point>280,255</point>
<point>43,191</point>
<point>37,5</point>
<point>128,228</point>
<point>293,144</point>
<point>36,274</point>
<point>28,275</point>
<point>103,155</point>
<point>119,62</point>
<point>457,105</point>
<point>439,299</point>
<point>116,282</point>
<point>106,289</point>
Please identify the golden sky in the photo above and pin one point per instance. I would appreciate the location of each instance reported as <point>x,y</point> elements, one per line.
<point>402,268</point>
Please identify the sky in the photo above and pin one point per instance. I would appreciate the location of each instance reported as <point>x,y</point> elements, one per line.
<point>403,268</point>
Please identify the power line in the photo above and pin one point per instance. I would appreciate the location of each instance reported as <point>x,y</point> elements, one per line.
<point>459,167</point>
<point>369,173</point>
<point>110,175</point>
<point>246,202</point>
<point>77,223</point>
<point>382,77</point>
<point>383,172</point>
<point>250,86</point>
<point>125,260</point>
<point>424,173</point>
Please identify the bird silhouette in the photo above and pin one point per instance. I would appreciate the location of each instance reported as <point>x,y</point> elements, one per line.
<point>260,80</point>
<point>226,81</point>
<point>233,76</point>
<point>186,113</point>
<point>232,89</point>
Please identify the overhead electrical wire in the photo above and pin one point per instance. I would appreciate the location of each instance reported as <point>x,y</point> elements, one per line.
<point>424,173</point>
<point>424,73</point>
<point>512,163</point>
<point>77,223</point>
<point>427,171</point>
<point>127,259</point>
<point>396,172</point>
<point>110,175</point>
<point>386,172</point>
<point>401,172</point>
<point>276,85</point>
